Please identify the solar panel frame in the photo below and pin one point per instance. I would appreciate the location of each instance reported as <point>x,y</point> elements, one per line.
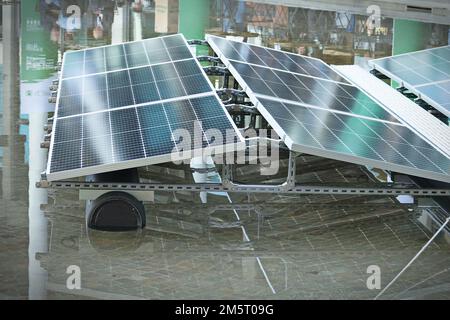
<point>118,139</point>
<point>399,72</point>
<point>416,118</point>
<point>305,148</point>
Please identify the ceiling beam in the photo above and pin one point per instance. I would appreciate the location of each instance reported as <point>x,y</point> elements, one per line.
<point>432,11</point>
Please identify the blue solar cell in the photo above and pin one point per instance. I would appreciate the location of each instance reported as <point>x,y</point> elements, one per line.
<point>74,57</point>
<point>66,156</point>
<point>114,51</point>
<point>195,84</point>
<point>174,41</point>
<point>94,54</point>
<point>170,88</point>
<point>94,83</point>
<point>187,68</point>
<point>72,70</point>
<point>219,131</point>
<point>96,124</point>
<point>71,87</point>
<point>68,129</point>
<point>179,53</point>
<point>97,151</point>
<point>69,105</point>
<point>141,75</point>
<point>120,97</point>
<point>95,101</point>
<point>164,71</point>
<point>189,135</point>
<point>152,45</point>
<point>158,56</point>
<point>118,79</point>
<point>115,63</point>
<point>124,120</point>
<point>158,141</point>
<point>179,111</point>
<point>152,116</point>
<point>146,92</point>
<point>136,60</point>
<point>134,48</point>
<point>206,107</point>
<point>94,66</point>
<point>128,146</point>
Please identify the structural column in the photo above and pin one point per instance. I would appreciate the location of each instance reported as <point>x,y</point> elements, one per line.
<point>410,36</point>
<point>193,19</point>
<point>12,156</point>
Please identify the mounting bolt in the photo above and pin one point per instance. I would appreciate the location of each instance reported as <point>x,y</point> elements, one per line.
<point>43,184</point>
<point>45,145</point>
<point>43,175</point>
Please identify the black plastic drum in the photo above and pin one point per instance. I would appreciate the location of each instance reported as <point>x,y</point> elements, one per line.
<point>116,210</point>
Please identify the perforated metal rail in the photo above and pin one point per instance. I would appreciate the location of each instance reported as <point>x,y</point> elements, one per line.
<point>297,189</point>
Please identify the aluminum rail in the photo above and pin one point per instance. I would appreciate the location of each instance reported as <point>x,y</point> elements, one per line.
<point>215,187</point>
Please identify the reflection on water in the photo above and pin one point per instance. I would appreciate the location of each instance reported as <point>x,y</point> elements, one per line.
<point>294,248</point>
<point>280,247</point>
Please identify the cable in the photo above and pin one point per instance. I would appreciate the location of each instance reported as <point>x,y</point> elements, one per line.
<point>414,258</point>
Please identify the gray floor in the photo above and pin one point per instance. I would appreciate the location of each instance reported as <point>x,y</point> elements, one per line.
<point>284,248</point>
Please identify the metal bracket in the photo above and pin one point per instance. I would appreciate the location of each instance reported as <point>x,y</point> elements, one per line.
<point>209,59</point>
<point>289,184</point>
<point>216,71</point>
<point>227,176</point>
<point>45,145</point>
<point>197,42</point>
<point>237,107</point>
<point>232,92</point>
<point>290,180</point>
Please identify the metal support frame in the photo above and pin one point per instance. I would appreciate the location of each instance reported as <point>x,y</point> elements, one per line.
<point>386,190</point>
<point>227,179</point>
<point>209,59</point>
<point>231,96</point>
<point>227,185</point>
<point>237,107</point>
<point>226,80</point>
<point>235,84</point>
<point>414,97</point>
<point>216,71</point>
<point>197,42</point>
<point>227,175</point>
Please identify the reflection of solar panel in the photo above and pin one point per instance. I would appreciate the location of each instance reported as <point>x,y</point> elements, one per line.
<point>120,106</point>
<point>426,73</point>
<point>316,111</point>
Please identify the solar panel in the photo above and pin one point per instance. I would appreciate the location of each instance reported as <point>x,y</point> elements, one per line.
<point>426,73</point>
<point>325,115</point>
<point>135,104</point>
<point>276,59</point>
